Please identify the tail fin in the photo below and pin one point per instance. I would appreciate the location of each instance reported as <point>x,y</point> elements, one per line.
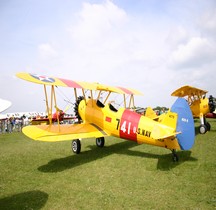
<point>150,113</point>
<point>185,124</point>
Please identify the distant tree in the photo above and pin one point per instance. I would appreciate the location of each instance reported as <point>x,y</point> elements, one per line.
<point>160,108</point>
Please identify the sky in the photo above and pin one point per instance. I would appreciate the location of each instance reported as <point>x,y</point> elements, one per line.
<point>153,46</point>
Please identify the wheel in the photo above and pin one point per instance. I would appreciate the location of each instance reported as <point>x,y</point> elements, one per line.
<point>100,141</point>
<point>175,158</point>
<point>203,129</point>
<point>76,146</point>
<point>207,124</point>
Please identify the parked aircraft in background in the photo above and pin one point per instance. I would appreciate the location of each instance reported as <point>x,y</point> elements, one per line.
<point>211,115</point>
<point>200,105</point>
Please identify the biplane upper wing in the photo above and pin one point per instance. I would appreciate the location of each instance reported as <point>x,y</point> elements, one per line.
<point>120,90</point>
<point>41,79</point>
<point>53,133</point>
<point>130,91</point>
<point>188,91</point>
<point>45,80</point>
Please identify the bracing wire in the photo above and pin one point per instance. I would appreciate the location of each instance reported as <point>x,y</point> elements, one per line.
<point>64,97</point>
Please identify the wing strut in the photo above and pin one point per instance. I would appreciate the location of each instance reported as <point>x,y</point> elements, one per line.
<point>49,112</point>
<point>131,101</point>
<point>56,107</point>
<point>75,93</point>
<point>124,101</point>
<point>53,101</point>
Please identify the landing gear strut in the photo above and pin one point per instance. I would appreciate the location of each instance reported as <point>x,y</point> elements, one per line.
<point>175,156</point>
<point>205,126</point>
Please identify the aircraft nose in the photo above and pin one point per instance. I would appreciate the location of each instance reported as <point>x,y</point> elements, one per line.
<point>212,103</point>
<point>76,107</point>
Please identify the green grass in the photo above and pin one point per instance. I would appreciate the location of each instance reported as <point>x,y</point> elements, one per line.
<point>122,175</point>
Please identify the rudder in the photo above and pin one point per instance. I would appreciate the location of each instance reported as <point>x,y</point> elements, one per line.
<point>185,124</point>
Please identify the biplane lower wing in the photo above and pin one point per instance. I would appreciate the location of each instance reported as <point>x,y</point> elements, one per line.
<point>53,133</point>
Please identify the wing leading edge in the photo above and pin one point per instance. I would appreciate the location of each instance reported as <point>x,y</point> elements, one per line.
<point>53,133</point>
<point>45,80</point>
<point>188,90</point>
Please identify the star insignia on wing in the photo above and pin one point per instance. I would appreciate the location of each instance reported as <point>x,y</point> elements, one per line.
<point>43,78</point>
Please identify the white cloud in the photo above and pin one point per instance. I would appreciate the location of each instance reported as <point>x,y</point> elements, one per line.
<point>46,51</point>
<point>207,23</point>
<point>107,38</point>
<point>125,45</point>
<point>177,35</point>
<point>195,53</point>
<point>97,20</point>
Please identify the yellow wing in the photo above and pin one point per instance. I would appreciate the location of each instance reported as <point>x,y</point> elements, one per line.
<point>120,90</point>
<point>188,91</point>
<point>53,133</point>
<point>45,80</point>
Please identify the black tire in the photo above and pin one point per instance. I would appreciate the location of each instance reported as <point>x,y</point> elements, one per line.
<point>203,129</point>
<point>76,146</point>
<point>100,141</point>
<point>208,126</point>
<point>175,158</point>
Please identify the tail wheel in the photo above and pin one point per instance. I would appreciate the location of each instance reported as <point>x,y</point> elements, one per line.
<point>203,129</point>
<point>76,146</point>
<point>175,156</point>
<point>100,141</point>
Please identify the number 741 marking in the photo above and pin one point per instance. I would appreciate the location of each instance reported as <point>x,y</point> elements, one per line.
<point>125,127</point>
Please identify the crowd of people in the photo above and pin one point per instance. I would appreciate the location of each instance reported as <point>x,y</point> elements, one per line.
<point>13,124</point>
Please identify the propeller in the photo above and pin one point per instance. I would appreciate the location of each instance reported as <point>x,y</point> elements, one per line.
<point>79,99</point>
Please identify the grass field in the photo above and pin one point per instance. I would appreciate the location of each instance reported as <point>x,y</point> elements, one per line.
<point>122,175</point>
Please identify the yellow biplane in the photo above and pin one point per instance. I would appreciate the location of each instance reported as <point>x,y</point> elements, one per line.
<point>200,105</point>
<point>98,118</point>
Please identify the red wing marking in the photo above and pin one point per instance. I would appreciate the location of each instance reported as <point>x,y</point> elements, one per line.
<point>125,90</point>
<point>70,83</point>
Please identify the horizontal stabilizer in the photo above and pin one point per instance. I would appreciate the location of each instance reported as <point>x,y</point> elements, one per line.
<point>167,126</point>
<point>53,133</point>
<point>158,135</point>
